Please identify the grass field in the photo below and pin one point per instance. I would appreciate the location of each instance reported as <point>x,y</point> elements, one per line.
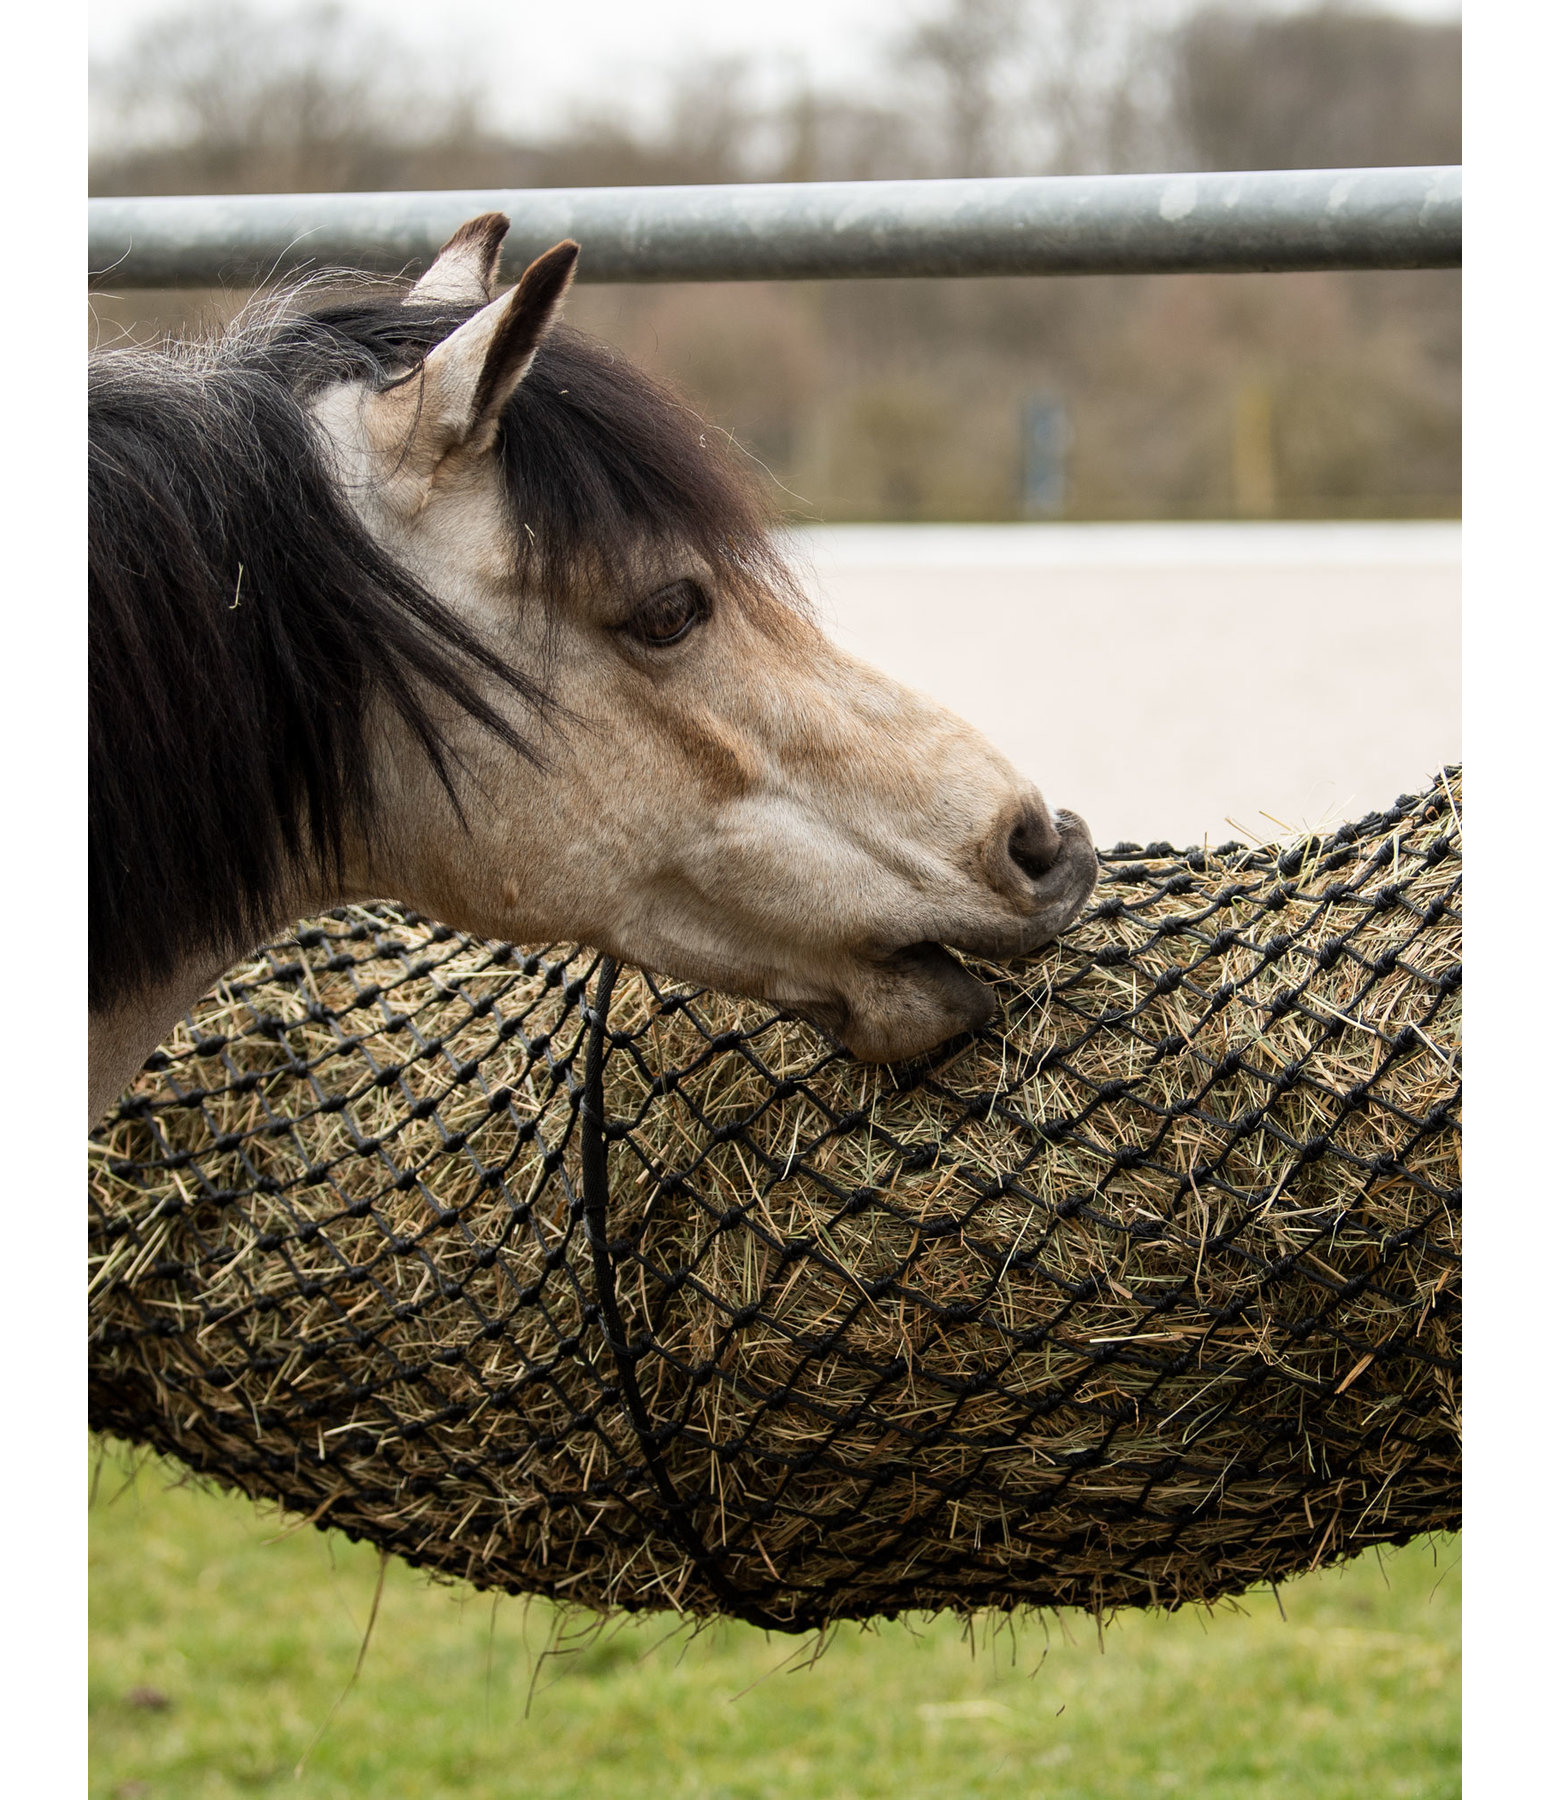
<point>220,1646</point>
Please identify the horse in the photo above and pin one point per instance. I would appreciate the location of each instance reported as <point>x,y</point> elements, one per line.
<point>426,594</point>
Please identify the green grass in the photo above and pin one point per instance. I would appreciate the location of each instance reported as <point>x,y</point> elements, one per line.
<point>250,1642</point>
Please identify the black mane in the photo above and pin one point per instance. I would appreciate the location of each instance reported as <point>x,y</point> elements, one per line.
<point>596,457</point>
<point>241,620</point>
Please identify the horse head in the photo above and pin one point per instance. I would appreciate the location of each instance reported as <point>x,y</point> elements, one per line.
<point>721,793</point>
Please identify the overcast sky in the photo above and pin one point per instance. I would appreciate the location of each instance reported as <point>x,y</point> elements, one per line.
<point>537,56</point>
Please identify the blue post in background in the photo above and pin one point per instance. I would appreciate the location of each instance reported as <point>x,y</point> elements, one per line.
<point>1046,440</point>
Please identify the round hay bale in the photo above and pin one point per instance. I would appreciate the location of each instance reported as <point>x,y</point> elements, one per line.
<point>1146,1295</point>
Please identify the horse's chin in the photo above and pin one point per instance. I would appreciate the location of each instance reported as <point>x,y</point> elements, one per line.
<point>902,1007</point>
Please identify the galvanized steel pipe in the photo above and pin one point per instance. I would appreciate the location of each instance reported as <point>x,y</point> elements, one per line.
<point>1281,219</point>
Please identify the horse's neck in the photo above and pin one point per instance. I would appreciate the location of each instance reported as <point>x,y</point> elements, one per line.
<point>118,1042</point>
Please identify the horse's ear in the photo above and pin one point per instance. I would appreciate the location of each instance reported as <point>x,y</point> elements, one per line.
<point>469,377</point>
<point>464,269</point>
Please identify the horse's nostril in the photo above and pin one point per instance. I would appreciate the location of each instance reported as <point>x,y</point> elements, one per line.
<point>1035,843</point>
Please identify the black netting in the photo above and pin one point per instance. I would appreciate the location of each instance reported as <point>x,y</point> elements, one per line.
<point>562,1280</point>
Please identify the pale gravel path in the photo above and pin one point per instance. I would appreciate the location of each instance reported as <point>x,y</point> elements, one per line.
<point>1162,680</point>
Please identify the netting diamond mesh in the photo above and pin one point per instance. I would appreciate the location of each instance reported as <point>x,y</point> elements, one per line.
<point>565,1281</point>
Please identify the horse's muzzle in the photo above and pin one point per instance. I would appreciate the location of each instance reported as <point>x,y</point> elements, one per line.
<point>1047,873</point>
<point>919,996</point>
<point>1061,889</point>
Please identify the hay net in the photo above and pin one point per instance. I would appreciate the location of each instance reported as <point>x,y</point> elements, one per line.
<point>564,1280</point>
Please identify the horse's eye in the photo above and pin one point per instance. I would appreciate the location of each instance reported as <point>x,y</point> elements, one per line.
<point>670,615</point>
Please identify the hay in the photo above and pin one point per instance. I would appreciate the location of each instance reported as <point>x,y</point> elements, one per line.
<point>1150,1294</point>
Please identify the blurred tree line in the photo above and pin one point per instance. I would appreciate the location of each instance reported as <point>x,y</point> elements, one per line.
<point>1322,394</point>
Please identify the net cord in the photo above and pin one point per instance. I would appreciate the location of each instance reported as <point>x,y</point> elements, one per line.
<point>594,1200</point>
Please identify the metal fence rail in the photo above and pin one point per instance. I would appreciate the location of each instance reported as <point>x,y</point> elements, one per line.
<point>1393,218</point>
